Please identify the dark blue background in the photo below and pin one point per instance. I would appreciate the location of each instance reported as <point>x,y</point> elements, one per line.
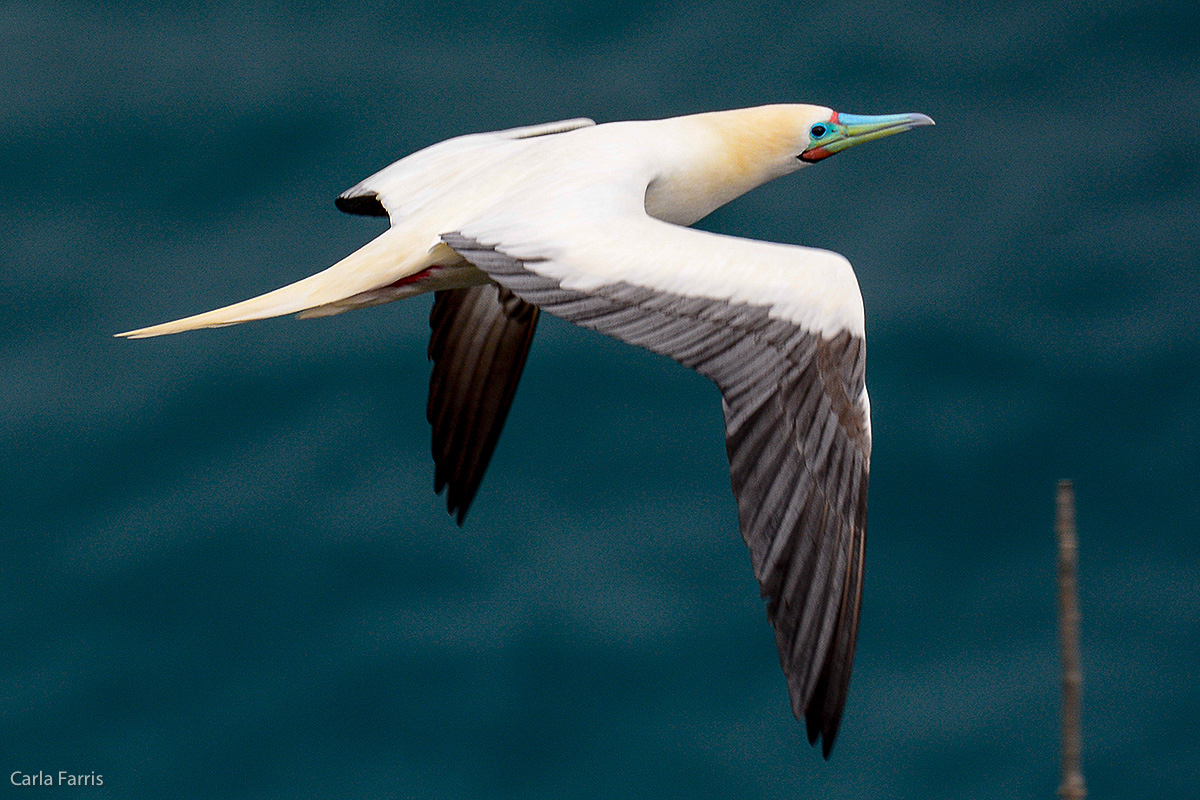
<point>223,571</point>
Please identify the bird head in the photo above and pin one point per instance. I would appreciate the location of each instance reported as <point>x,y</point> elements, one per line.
<point>712,158</point>
<point>831,132</point>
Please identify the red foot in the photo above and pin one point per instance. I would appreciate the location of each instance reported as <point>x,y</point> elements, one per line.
<point>417,276</point>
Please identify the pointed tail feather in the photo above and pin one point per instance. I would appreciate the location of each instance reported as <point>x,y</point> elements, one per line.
<point>384,260</point>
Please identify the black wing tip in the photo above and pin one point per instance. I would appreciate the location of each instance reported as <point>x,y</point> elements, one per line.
<point>367,205</point>
<point>825,730</point>
<point>456,506</point>
<point>457,510</point>
<point>471,387</point>
<point>458,502</point>
<point>821,713</point>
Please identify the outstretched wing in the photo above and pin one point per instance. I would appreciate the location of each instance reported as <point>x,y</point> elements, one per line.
<point>779,329</point>
<point>799,454</point>
<point>404,185</point>
<point>478,344</point>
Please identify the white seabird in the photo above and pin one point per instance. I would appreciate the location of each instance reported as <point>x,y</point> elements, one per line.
<point>586,222</point>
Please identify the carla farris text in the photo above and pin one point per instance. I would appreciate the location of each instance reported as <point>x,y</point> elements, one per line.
<point>62,778</point>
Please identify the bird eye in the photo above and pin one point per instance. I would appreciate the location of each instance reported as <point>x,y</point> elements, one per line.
<point>818,131</point>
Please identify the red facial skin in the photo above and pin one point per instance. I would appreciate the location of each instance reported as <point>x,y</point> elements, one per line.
<point>815,155</point>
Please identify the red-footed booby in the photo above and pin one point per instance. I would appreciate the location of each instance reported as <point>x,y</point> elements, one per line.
<point>587,222</point>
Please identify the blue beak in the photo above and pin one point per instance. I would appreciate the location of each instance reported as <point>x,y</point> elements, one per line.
<point>847,130</point>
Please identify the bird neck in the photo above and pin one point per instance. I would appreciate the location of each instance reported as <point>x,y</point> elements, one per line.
<point>706,160</point>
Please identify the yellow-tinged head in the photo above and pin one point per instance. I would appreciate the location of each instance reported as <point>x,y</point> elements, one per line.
<point>718,156</point>
<point>774,138</point>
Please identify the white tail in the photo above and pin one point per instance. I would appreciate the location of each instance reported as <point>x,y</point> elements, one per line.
<point>380,262</point>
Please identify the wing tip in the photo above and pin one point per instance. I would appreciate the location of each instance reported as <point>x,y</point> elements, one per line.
<point>456,506</point>
<point>818,727</point>
<point>365,204</point>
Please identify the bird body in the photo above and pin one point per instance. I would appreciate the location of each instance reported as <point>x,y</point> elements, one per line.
<point>587,222</point>
<point>676,170</point>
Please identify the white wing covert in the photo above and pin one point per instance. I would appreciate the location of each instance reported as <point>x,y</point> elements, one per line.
<point>406,184</point>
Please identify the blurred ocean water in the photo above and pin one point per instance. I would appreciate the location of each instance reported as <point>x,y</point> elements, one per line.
<point>225,574</point>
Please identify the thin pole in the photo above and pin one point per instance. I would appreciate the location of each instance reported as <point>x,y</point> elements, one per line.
<point>1072,786</point>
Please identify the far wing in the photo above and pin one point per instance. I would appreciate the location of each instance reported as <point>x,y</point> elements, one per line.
<point>396,188</point>
<point>480,338</point>
<point>779,330</point>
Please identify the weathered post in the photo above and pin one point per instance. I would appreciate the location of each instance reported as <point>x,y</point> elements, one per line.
<point>1072,786</point>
